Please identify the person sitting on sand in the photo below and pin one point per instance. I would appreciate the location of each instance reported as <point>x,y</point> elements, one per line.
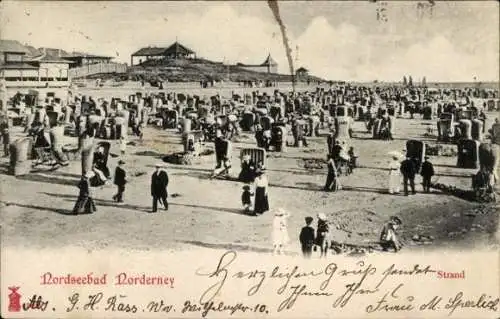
<point>388,236</point>
<point>99,164</point>
<point>248,167</point>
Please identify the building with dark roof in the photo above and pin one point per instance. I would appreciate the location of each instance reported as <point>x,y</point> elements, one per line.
<point>175,51</point>
<point>302,72</point>
<point>82,59</point>
<point>77,59</point>
<point>268,66</point>
<point>12,52</point>
<point>23,67</point>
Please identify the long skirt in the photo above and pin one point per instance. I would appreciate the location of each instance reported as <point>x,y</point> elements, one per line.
<point>84,205</point>
<point>394,183</point>
<point>261,201</point>
<point>280,237</point>
<point>332,183</point>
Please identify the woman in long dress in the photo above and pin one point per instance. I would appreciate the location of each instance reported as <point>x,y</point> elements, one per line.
<point>280,231</point>
<point>394,175</point>
<point>332,183</point>
<point>85,203</point>
<point>261,187</point>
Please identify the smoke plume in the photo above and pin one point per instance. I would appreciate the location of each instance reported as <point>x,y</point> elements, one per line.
<point>273,5</point>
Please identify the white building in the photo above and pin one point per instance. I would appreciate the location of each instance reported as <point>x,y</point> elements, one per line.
<point>20,72</point>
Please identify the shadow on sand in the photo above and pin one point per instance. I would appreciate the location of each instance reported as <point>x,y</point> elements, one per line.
<point>110,203</point>
<point>217,209</point>
<point>49,179</point>
<point>149,153</point>
<point>365,190</point>
<point>100,202</point>
<point>232,247</point>
<point>445,165</point>
<point>55,210</point>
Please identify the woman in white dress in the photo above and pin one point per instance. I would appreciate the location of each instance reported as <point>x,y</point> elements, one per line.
<point>280,231</point>
<point>394,175</point>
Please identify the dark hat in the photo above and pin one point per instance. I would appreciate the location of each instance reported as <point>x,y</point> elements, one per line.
<point>246,187</point>
<point>120,162</point>
<point>426,157</point>
<point>309,219</point>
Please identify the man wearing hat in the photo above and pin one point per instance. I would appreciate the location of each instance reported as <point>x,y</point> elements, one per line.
<point>427,172</point>
<point>120,181</point>
<point>408,170</point>
<point>159,183</point>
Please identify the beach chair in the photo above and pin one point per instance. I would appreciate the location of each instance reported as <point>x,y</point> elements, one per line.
<point>257,155</point>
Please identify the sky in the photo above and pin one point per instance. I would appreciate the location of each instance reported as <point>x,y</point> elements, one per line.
<point>455,41</point>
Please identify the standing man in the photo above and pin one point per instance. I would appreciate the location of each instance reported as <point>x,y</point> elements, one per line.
<point>408,170</point>
<point>426,173</point>
<point>159,183</point>
<point>120,181</point>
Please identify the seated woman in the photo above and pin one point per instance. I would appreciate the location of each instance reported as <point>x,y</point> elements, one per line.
<point>99,163</point>
<point>247,174</point>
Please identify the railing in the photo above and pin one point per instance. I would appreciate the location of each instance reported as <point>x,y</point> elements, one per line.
<point>36,84</point>
<point>97,68</point>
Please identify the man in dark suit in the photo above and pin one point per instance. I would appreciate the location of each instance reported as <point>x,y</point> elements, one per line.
<point>159,183</point>
<point>427,172</point>
<point>120,181</point>
<point>408,170</point>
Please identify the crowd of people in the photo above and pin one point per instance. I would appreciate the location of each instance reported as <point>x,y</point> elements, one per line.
<point>315,109</point>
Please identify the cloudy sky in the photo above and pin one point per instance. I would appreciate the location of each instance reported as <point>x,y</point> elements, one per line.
<point>455,41</point>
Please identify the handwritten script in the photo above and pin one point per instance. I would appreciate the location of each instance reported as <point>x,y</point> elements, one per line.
<point>375,289</point>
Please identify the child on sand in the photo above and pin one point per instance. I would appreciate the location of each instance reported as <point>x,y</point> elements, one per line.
<point>246,198</point>
<point>123,145</point>
<point>307,238</point>
<point>280,231</point>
